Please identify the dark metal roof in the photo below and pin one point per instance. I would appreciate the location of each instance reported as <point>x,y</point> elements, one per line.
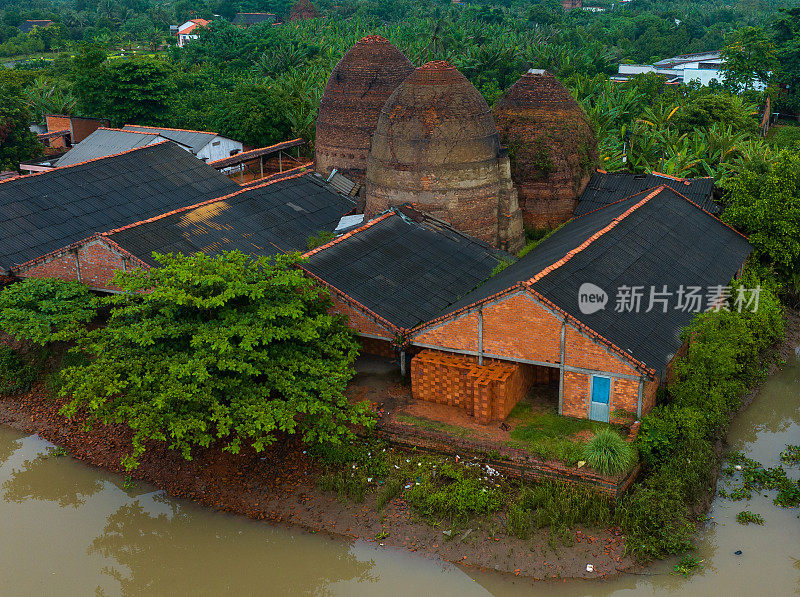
<point>105,142</point>
<point>196,140</point>
<point>274,218</point>
<point>605,188</point>
<point>405,270</point>
<point>27,26</point>
<point>664,241</point>
<point>255,153</point>
<point>44,212</point>
<point>253,18</point>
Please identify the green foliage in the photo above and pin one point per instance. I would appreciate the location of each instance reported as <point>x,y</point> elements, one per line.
<point>755,477</point>
<point>747,517</point>
<point>501,265</point>
<point>389,491</point>
<point>557,505</point>
<point>791,455</point>
<point>17,142</point>
<point>608,453</point>
<point>723,359</point>
<point>749,56</point>
<point>17,373</point>
<point>548,434</point>
<point>453,492</point>
<point>717,108</point>
<point>320,238</point>
<point>41,310</point>
<point>348,485</point>
<point>224,348</point>
<point>766,207</point>
<point>687,566</point>
<point>136,91</point>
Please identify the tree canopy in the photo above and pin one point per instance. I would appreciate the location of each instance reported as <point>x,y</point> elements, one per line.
<point>223,349</point>
<point>766,206</point>
<point>17,142</point>
<point>41,310</point>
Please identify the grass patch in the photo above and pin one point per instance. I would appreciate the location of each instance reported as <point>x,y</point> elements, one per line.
<point>608,453</point>
<point>430,425</point>
<point>687,566</point>
<point>548,434</point>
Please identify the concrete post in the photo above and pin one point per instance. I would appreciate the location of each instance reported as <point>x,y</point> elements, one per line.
<point>561,363</point>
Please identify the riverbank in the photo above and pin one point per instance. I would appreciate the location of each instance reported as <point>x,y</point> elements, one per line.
<point>280,486</point>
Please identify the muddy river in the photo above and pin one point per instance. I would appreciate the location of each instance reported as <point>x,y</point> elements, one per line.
<point>68,529</point>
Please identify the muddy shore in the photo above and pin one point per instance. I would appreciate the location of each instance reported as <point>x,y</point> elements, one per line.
<point>278,486</point>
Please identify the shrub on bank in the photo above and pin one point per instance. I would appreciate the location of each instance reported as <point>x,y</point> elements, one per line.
<point>724,358</point>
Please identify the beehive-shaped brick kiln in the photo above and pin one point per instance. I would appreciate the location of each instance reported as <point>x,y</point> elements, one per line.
<point>356,91</point>
<point>551,144</point>
<point>436,145</point>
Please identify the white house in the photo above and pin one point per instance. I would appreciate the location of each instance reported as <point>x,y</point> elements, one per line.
<point>702,66</point>
<point>206,145</point>
<point>186,32</point>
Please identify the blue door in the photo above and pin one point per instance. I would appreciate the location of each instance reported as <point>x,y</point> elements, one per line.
<point>601,391</point>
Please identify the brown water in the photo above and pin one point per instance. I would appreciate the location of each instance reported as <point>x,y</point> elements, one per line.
<point>68,529</point>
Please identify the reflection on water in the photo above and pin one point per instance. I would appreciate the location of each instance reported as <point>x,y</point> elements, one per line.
<point>75,531</point>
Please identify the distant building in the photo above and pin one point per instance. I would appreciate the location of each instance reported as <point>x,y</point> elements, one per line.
<point>28,26</point>
<point>702,66</point>
<point>248,19</point>
<point>187,31</point>
<point>570,4</point>
<point>206,145</point>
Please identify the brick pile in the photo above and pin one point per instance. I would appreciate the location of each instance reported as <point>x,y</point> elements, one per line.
<point>487,392</point>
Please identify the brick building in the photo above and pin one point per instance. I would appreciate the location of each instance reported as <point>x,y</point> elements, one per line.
<point>485,339</point>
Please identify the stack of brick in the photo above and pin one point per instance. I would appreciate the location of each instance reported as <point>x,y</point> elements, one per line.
<point>487,392</point>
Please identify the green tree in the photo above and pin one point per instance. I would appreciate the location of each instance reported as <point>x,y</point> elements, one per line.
<point>136,91</point>
<point>750,57</point>
<point>252,114</point>
<point>17,142</point>
<point>786,30</point>
<point>44,309</point>
<point>223,348</point>
<point>766,206</point>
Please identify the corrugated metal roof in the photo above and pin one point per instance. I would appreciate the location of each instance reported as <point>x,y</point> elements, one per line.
<point>275,218</point>
<point>44,212</point>
<point>405,270</point>
<point>605,188</point>
<point>196,140</point>
<point>666,241</point>
<point>105,142</point>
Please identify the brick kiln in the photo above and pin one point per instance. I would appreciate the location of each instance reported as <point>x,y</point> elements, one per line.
<point>356,91</point>
<point>552,147</point>
<point>436,145</point>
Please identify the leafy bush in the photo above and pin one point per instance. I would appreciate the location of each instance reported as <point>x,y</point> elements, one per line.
<point>225,348</point>
<point>608,453</point>
<point>17,373</point>
<point>453,492</point>
<point>320,238</point>
<point>44,309</point>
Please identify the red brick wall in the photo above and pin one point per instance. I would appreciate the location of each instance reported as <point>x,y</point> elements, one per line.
<point>58,123</point>
<point>540,341</point>
<point>98,262</point>
<point>361,322</point>
<point>381,348</point>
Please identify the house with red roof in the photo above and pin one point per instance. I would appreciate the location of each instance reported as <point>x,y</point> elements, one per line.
<point>188,30</point>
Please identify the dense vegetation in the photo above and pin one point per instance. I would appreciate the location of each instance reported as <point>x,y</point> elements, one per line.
<point>262,85</point>
<point>202,349</point>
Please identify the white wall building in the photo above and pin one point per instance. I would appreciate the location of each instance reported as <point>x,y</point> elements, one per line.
<point>186,32</point>
<point>206,145</point>
<point>703,67</point>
